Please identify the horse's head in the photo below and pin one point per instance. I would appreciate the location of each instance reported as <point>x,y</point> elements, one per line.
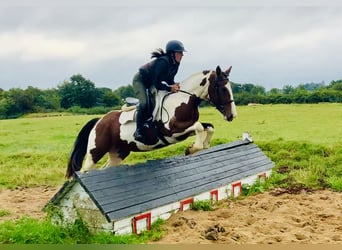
<point>220,93</point>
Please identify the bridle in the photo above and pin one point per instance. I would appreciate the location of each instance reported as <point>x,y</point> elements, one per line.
<point>220,106</point>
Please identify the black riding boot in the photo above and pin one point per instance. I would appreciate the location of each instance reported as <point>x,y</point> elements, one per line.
<point>140,120</point>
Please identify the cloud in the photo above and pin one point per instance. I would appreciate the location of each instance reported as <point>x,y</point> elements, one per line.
<point>39,47</point>
<point>106,41</point>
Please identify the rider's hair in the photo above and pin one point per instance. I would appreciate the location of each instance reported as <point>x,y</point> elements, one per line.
<point>157,53</point>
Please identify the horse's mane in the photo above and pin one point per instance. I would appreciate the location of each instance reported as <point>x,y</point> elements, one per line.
<point>157,53</point>
<point>193,81</point>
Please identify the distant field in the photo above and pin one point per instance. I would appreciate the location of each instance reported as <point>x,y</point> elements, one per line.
<point>34,151</point>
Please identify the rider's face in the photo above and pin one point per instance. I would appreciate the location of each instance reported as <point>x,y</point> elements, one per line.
<point>178,56</point>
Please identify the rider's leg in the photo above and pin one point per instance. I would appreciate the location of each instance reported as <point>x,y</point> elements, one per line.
<point>149,107</point>
<point>140,120</point>
<point>140,92</point>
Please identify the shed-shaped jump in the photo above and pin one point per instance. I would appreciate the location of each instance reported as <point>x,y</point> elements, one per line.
<point>128,199</point>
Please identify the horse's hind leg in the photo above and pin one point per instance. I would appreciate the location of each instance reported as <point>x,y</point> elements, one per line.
<point>114,159</point>
<point>92,157</point>
<point>209,131</point>
<point>88,163</point>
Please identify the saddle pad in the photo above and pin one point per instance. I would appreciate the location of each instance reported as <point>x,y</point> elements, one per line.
<point>127,116</point>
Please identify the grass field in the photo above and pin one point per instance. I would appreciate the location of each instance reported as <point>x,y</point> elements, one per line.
<point>34,150</point>
<point>303,141</point>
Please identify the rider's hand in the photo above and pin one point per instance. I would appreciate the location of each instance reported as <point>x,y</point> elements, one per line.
<point>175,88</point>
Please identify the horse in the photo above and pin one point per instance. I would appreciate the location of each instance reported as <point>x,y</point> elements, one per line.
<point>175,119</point>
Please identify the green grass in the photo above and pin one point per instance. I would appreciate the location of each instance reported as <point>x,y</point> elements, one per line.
<point>204,205</point>
<point>4,212</point>
<point>303,141</point>
<point>32,231</point>
<point>35,151</point>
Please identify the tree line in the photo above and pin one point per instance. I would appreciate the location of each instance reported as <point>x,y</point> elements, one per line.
<point>80,95</point>
<point>303,93</point>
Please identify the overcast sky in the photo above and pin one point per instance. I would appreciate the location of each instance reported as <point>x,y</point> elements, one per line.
<point>268,43</point>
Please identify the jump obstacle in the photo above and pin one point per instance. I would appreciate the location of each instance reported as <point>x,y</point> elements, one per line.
<point>128,199</point>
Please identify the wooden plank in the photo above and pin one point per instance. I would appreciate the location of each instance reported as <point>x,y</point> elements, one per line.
<point>178,182</point>
<point>145,206</point>
<point>126,170</point>
<point>135,173</point>
<point>162,181</point>
<point>221,177</point>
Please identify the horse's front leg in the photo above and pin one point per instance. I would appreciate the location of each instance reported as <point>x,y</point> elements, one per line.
<point>200,136</point>
<point>203,133</point>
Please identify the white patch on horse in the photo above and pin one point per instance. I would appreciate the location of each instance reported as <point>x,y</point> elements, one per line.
<point>127,116</point>
<point>127,130</point>
<point>89,162</point>
<point>234,112</point>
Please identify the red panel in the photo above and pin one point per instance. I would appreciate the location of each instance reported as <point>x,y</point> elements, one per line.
<point>146,217</point>
<point>185,202</point>
<point>236,185</point>
<point>213,196</point>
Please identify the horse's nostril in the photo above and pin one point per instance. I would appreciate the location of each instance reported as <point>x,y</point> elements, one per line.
<point>230,118</point>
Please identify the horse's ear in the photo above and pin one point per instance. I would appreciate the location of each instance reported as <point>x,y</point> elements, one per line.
<point>218,70</point>
<point>228,71</point>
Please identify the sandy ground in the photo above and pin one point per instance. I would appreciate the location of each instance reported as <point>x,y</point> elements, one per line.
<point>26,201</point>
<point>274,217</point>
<point>279,216</point>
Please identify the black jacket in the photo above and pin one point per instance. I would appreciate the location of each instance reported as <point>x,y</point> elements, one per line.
<point>160,73</point>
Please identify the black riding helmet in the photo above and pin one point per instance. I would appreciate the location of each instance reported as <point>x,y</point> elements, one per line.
<point>175,46</point>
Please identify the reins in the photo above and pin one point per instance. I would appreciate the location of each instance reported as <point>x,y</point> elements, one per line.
<point>162,104</point>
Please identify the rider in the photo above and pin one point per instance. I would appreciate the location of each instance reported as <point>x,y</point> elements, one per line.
<point>158,74</point>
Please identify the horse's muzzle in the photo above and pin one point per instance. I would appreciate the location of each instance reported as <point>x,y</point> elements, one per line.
<point>229,118</point>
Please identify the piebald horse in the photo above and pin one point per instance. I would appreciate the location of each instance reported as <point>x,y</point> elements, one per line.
<point>175,118</point>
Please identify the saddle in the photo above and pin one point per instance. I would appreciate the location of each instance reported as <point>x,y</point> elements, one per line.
<point>129,109</point>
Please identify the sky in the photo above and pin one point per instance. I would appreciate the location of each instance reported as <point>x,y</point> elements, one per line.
<point>267,43</point>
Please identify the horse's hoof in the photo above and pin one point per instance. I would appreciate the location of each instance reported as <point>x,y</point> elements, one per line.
<point>192,150</point>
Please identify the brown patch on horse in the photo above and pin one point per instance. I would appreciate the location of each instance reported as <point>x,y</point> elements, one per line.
<point>185,115</point>
<point>108,138</point>
<point>205,72</point>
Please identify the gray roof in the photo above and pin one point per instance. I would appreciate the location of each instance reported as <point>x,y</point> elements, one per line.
<point>128,190</point>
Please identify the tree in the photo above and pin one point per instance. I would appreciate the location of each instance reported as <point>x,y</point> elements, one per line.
<point>14,103</point>
<point>125,91</point>
<point>78,92</point>
<point>336,85</point>
<point>275,91</point>
<point>108,98</point>
<point>258,90</point>
<point>288,89</point>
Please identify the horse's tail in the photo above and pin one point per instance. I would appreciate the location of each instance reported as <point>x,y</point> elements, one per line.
<point>80,148</point>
